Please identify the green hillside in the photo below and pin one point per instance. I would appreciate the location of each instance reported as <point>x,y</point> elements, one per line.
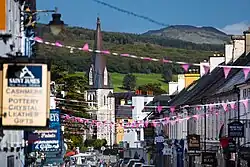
<point>139,45</point>
<point>141,79</point>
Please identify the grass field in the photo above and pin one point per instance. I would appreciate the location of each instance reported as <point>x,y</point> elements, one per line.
<point>141,79</point>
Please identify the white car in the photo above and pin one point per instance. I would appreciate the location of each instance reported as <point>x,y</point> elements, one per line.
<point>137,164</point>
<point>131,162</point>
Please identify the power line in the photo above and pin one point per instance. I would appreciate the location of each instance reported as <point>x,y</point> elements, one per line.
<point>131,13</point>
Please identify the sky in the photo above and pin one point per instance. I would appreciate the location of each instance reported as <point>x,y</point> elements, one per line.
<point>230,16</point>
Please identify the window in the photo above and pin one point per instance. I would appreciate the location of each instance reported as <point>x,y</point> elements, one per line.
<point>11,161</point>
<point>138,135</point>
<point>104,100</point>
<point>105,77</point>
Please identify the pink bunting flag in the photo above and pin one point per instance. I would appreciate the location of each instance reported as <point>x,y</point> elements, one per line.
<point>146,123</point>
<point>39,40</point>
<point>154,124</point>
<point>105,52</point>
<point>224,105</point>
<point>232,105</point>
<point>172,109</point>
<point>185,67</point>
<point>147,58</point>
<point>125,55</point>
<point>132,107</point>
<point>226,71</point>
<point>245,102</point>
<point>206,69</point>
<point>196,116</point>
<point>85,47</point>
<point>246,71</point>
<point>165,61</point>
<point>198,107</point>
<point>159,108</point>
<point>58,44</point>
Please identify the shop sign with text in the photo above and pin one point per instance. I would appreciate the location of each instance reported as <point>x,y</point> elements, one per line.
<point>49,140</point>
<point>193,141</point>
<point>25,92</point>
<point>236,129</point>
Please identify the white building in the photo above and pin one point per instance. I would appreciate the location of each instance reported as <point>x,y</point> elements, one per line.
<point>11,141</point>
<point>100,94</point>
<point>134,136</point>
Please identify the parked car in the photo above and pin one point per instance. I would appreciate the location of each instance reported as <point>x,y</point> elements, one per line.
<point>131,162</point>
<point>137,164</point>
<point>124,162</point>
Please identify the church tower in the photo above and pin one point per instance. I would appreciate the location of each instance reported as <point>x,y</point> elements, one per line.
<point>100,94</point>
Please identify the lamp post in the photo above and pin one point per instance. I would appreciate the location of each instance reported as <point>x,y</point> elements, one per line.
<point>28,21</point>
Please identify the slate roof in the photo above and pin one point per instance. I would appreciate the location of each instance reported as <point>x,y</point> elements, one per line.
<point>208,84</point>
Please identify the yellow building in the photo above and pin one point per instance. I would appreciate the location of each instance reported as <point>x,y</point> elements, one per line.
<point>190,78</point>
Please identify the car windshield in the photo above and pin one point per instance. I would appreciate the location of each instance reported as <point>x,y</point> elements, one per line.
<point>125,161</point>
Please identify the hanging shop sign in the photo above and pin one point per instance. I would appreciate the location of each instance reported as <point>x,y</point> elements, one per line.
<point>236,129</point>
<point>25,91</point>
<point>208,158</point>
<point>49,140</point>
<point>244,153</point>
<point>193,142</point>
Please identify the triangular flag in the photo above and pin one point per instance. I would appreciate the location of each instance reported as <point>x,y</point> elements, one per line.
<point>226,71</point>
<point>245,102</point>
<point>224,105</point>
<point>58,44</point>
<point>105,52</point>
<point>85,47</point>
<point>154,124</point>
<point>159,108</point>
<point>37,39</point>
<point>172,109</point>
<point>132,107</point>
<point>206,69</point>
<point>185,67</point>
<point>232,105</point>
<point>146,123</point>
<point>165,61</point>
<point>246,71</point>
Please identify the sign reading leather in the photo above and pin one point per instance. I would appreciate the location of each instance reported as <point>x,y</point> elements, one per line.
<point>25,95</point>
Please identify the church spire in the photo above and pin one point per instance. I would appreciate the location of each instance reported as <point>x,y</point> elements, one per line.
<point>98,75</point>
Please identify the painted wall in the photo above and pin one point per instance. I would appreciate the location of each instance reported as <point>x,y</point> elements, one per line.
<point>190,78</point>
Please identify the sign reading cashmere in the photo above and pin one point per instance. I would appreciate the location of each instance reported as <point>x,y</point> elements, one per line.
<point>25,92</point>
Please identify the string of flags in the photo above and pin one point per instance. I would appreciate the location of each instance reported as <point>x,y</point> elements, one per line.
<point>184,65</point>
<point>166,120</point>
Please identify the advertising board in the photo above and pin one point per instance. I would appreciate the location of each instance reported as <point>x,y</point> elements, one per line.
<point>49,140</point>
<point>25,92</point>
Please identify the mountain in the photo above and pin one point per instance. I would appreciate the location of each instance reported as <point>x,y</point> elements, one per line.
<point>197,35</point>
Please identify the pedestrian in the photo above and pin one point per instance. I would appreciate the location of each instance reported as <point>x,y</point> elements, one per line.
<point>142,160</point>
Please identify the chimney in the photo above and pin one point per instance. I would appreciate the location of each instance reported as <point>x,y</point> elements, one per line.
<point>247,41</point>
<point>215,60</point>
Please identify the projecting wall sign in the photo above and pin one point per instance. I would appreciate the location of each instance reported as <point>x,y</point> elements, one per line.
<point>25,94</point>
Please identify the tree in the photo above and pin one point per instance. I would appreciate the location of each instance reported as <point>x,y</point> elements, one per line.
<point>154,87</point>
<point>167,72</point>
<point>129,82</point>
<point>96,143</point>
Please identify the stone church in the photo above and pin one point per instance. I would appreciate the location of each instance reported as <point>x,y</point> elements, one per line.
<point>100,95</point>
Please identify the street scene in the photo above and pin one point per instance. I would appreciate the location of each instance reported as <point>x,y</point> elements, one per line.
<point>104,83</point>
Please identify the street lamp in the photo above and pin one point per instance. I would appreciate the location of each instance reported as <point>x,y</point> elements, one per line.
<point>56,25</point>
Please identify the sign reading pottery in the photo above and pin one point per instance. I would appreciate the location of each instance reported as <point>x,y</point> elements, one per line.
<point>208,158</point>
<point>25,92</point>
<point>193,142</point>
<point>236,129</point>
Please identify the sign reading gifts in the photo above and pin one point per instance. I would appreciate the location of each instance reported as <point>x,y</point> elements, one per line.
<point>25,94</point>
<point>49,140</point>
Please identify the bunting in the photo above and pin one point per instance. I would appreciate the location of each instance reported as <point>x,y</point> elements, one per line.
<point>184,65</point>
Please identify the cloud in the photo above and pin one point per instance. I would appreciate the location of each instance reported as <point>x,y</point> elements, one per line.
<point>235,29</point>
